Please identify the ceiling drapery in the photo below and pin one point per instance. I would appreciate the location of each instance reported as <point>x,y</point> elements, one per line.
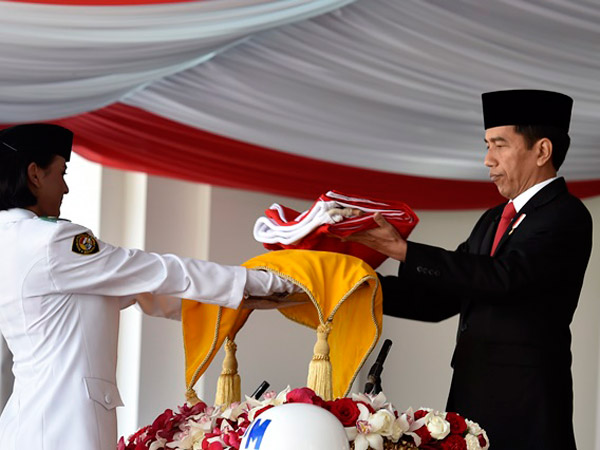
<point>379,96</point>
<point>61,60</point>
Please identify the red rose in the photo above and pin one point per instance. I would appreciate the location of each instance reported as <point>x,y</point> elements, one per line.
<point>420,413</point>
<point>121,444</point>
<point>232,439</point>
<point>424,434</point>
<point>216,445</point>
<point>243,421</point>
<point>163,426</point>
<point>346,410</point>
<point>187,411</point>
<point>458,425</point>
<point>454,442</point>
<point>138,436</point>
<point>304,395</point>
<point>161,421</point>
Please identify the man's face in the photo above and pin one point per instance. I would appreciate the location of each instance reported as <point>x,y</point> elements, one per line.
<point>54,187</point>
<point>513,166</point>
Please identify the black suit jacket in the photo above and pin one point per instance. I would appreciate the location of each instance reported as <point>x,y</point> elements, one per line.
<point>512,361</point>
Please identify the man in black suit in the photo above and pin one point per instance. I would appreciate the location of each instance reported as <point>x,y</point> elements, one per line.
<point>516,289</point>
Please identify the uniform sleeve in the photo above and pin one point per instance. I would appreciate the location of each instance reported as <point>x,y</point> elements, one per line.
<point>78,263</point>
<point>159,305</point>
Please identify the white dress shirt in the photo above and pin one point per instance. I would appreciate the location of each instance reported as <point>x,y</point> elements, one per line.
<point>520,200</point>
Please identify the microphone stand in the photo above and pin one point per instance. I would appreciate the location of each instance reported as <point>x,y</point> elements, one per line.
<point>373,385</point>
<point>260,390</point>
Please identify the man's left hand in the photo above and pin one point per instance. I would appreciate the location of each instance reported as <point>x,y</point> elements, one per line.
<point>385,239</point>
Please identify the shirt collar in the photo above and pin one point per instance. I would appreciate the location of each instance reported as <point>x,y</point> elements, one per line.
<point>520,200</point>
<point>15,215</point>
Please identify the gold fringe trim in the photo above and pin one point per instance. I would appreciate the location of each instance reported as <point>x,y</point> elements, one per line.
<point>196,375</point>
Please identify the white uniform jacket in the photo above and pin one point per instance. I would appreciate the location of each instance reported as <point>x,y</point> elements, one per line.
<point>60,295</point>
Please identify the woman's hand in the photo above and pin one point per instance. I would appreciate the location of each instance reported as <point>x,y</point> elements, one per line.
<point>265,290</point>
<point>275,301</point>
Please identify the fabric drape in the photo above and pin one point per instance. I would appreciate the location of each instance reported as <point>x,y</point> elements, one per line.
<point>372,92</point>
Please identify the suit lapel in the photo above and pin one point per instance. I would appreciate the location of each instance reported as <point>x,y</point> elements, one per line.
<point>508,231</point>
<point>488,238</point>
<point>547,194</point>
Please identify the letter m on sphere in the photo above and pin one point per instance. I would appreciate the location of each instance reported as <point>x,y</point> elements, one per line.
<point>257,431</point>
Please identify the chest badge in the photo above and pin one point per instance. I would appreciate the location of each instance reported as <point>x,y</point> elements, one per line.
<point>517,223</point>
<point>85,244</point>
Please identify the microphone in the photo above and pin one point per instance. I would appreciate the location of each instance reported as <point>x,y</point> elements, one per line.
<point>373,385</point>
<point>260,390</point>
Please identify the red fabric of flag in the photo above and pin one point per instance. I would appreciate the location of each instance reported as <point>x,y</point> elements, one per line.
<point>316,229</point>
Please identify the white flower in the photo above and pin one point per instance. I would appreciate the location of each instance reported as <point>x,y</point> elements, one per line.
<point>382,421</point>
<point>377,402</point>
<point>472,442</point>
<point>473,427</point>
<point>487,441</point>
<point>194,430</point>
<point>270,398</point>
<point>188,440</point>
<point>364,441</point>
<point>182,442</point>
<point>363,434</point>
<point>400,426</point>
<point>233,411</point>
<point>158,443</point>
<point>438,427</point>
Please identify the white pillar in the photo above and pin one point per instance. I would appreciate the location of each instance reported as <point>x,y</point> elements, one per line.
<point>123,223</point>
<point>177,221</point>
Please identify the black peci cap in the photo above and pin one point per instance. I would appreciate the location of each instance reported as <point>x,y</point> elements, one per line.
<point>37,138</point>
<point>527,107</point>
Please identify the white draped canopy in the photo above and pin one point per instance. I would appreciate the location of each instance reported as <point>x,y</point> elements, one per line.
<point>384,85</point>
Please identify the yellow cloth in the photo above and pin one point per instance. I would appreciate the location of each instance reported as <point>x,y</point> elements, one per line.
<point>343,290</point>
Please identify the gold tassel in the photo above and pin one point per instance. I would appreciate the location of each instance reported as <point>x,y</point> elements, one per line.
<point>229,383</point>
<point>319,369</point>
<point>191,396</point>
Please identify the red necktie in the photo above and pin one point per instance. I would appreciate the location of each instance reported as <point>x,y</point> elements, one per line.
<point>507,215</point>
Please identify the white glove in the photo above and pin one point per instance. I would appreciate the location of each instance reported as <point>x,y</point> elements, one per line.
<point>261,283</point>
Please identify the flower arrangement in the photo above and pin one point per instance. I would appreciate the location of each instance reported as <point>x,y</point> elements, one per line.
<point>369,420</point>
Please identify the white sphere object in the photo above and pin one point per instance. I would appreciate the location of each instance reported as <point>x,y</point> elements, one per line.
<point>295,426</point>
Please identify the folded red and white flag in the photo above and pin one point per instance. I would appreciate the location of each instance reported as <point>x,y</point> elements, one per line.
<point>332,214</point>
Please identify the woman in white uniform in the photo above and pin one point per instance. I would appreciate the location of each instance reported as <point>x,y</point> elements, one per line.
<point>61,290</point>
